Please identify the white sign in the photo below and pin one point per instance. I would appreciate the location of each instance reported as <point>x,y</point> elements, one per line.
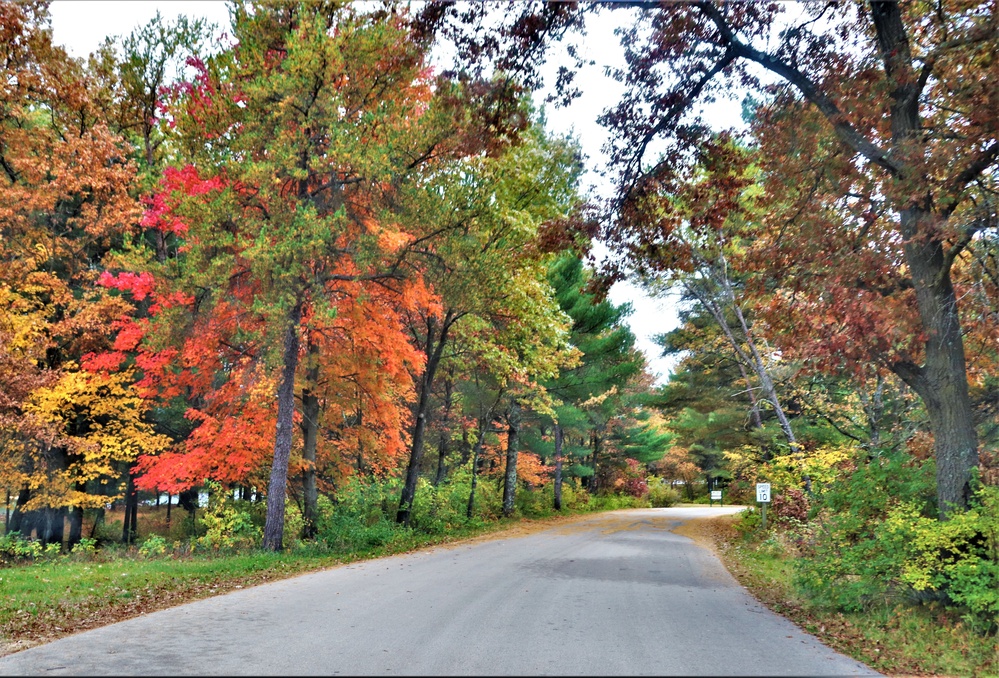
<point>763,492</point>
<point>715,495</point>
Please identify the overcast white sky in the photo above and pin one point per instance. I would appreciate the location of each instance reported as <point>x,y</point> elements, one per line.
<point>81,25</point>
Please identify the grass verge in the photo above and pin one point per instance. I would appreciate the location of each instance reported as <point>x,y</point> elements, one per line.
<point>895,639</point>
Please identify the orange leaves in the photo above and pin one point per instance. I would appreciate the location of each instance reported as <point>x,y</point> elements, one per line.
<point>531,470</point>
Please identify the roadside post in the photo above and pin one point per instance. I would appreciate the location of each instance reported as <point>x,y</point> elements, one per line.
<point>716,496</point>
<point>763,498</point>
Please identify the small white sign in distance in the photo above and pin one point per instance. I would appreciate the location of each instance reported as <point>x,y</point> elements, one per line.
<point>715,495</point>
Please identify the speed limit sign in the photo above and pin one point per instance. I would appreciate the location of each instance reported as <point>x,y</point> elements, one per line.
<point>763,492</point>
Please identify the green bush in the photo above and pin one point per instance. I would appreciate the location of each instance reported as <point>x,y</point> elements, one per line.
<point>85,548</point>
<point>536,503</point>
<point>847,564</point>
<point>614,502</point>
<point>226,525</point>
<point>15,548</point>
<point>661,495</point>
<point>107,532</point>
<point>362,518</point>
<point>749,521</point>
<point>153,546</point>
<point>958,557</point>
<point>575,498</point>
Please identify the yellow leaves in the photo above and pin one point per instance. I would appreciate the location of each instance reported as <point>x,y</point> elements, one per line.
<point>821,466</point>
<point>22,325</point>
<point>95,423</point>
<point>598,399</point>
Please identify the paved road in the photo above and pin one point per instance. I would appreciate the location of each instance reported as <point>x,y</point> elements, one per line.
<point>614,594</point>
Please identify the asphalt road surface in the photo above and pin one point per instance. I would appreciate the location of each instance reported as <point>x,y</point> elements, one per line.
<point>614,594</point>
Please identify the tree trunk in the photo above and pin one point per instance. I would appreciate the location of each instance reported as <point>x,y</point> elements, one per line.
<point>942,381</point>
<point>594,484</point>
<point>510,476</point>
<point>310,494</point>
<point>442,443</point>
<point>16,522</point>
<point>99,518</point>
<point>310,438</point>
<point>75,526</point>
<point>278,485</point>
<point>47,524</point>
<point>755,422</point>
<point>874,409</point>
<point>559,439</point>
<point>433,349</point>
<point>129,523</point>
<point>476,451</point>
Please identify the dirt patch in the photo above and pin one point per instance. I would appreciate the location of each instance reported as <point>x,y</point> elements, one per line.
<point>707,532</point>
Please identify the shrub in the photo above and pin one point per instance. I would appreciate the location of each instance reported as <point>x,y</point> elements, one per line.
<point>575,498</point>
<point>614,502</point>
<point>958,557</point>
<point>790,504</point>
<point>154,545</point>
<point>86,547</point>
<point>362,518</point>
<point>226,526</point>
<point>847,564</point>
<point>14,548</point>
<point>749,521</point>
<point>661,495</point>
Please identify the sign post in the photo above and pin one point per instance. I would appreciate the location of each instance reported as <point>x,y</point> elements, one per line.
<point>763,498</point>
<point>716,496</point>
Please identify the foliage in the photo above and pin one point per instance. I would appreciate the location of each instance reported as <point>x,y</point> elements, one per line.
<point>660,493</point>
<point>14,548</point>
<point>790,505</point>
<point>958,557</point>
<point>65,200</point>
<point>85,548</point>
<point>226,525</point>
<point>896,639</point>
<point>360,519</point>
<point>847,565</point>
<point>153,545</point>
<point>613,502</point>
<point>860,259</point>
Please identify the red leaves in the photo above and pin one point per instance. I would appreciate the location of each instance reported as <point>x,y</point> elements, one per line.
<point>108,361</point>
<point>139,284</point>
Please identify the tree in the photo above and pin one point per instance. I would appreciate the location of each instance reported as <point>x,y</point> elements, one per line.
<point>314,122</point>
<point>608,357</point>
<point>488,270</point>
<point>699,242</point>
<point>899,92</point>
<point>65,199</point>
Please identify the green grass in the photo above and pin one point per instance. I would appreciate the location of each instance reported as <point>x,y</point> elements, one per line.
<point>894,638</point>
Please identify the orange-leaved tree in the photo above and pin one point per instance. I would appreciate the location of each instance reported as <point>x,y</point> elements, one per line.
<point>300,143</point>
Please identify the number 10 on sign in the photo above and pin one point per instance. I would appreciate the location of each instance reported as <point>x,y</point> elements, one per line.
<point>763,497</point>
